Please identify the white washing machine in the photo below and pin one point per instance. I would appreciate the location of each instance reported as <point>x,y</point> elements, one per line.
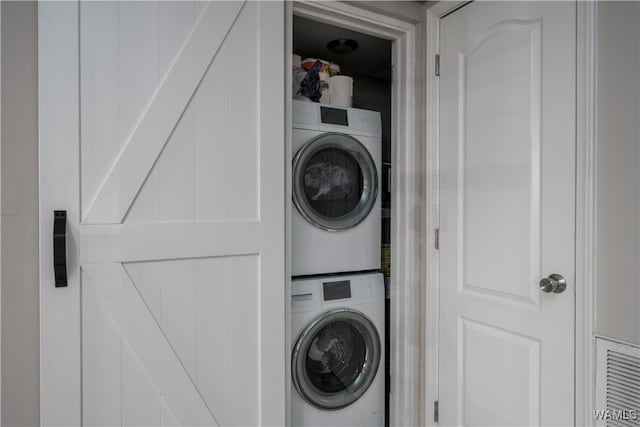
<point>336,174</point>
<point>337,362</point>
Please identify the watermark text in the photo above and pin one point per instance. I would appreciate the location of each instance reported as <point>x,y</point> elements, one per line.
<point>616,414</point>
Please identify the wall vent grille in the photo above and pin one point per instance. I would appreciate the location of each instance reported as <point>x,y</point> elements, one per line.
<point>617,384</point>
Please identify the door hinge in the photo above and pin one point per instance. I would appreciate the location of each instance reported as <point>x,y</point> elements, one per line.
<point>437,238</point>
<point>435,412</point>
<point>437,65</point>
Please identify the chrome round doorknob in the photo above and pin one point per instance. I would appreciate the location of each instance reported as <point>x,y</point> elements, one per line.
<point>555,283</point>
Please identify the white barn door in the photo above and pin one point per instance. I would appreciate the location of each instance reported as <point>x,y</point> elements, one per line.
<point>162,136</point>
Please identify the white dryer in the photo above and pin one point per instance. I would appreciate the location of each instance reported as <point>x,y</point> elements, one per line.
<point>337,359</point>
<point>336,174</point>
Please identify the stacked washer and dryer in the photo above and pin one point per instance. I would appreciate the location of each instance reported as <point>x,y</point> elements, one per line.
<point>337,294</point>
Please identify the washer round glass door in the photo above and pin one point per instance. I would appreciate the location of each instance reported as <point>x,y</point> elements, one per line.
<point>335,182</point>
<point>336,358</point>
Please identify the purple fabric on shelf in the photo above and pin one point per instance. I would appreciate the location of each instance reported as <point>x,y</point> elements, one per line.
<point>310,85</point>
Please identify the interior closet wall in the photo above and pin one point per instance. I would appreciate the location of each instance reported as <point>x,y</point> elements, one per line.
<point>19,248</point>
<point>618,172</point>
<point>375,94</point>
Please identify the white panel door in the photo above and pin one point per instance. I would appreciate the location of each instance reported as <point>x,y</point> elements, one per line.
<point>507,178</point>
<point>162,136</point>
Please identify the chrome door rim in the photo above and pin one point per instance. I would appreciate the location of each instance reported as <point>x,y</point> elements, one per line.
<point>343,398</point>
<point>367,165</point>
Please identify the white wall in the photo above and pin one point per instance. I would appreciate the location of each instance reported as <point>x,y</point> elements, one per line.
<point>407,10</point>
<point>19,204</point>
<point>618,172</point>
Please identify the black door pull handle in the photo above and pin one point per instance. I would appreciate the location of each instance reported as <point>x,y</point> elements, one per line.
<point>60,248</point>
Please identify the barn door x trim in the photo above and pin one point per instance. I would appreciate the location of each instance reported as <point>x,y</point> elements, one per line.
<point>585,206</point>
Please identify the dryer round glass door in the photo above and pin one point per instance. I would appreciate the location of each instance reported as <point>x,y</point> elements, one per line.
<point>335,182</point>
<point>336,358</point>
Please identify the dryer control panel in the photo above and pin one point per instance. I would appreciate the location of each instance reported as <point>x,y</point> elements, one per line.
<point>336,290</point>
<point>334,116</point>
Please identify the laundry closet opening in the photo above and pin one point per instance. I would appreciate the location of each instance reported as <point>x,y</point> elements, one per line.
<point>340,225</point>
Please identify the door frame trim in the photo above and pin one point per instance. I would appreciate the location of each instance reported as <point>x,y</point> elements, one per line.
<point>586,73</point>
<point>586,140</point>
<point>406,358</point>
<point>432,288</point>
